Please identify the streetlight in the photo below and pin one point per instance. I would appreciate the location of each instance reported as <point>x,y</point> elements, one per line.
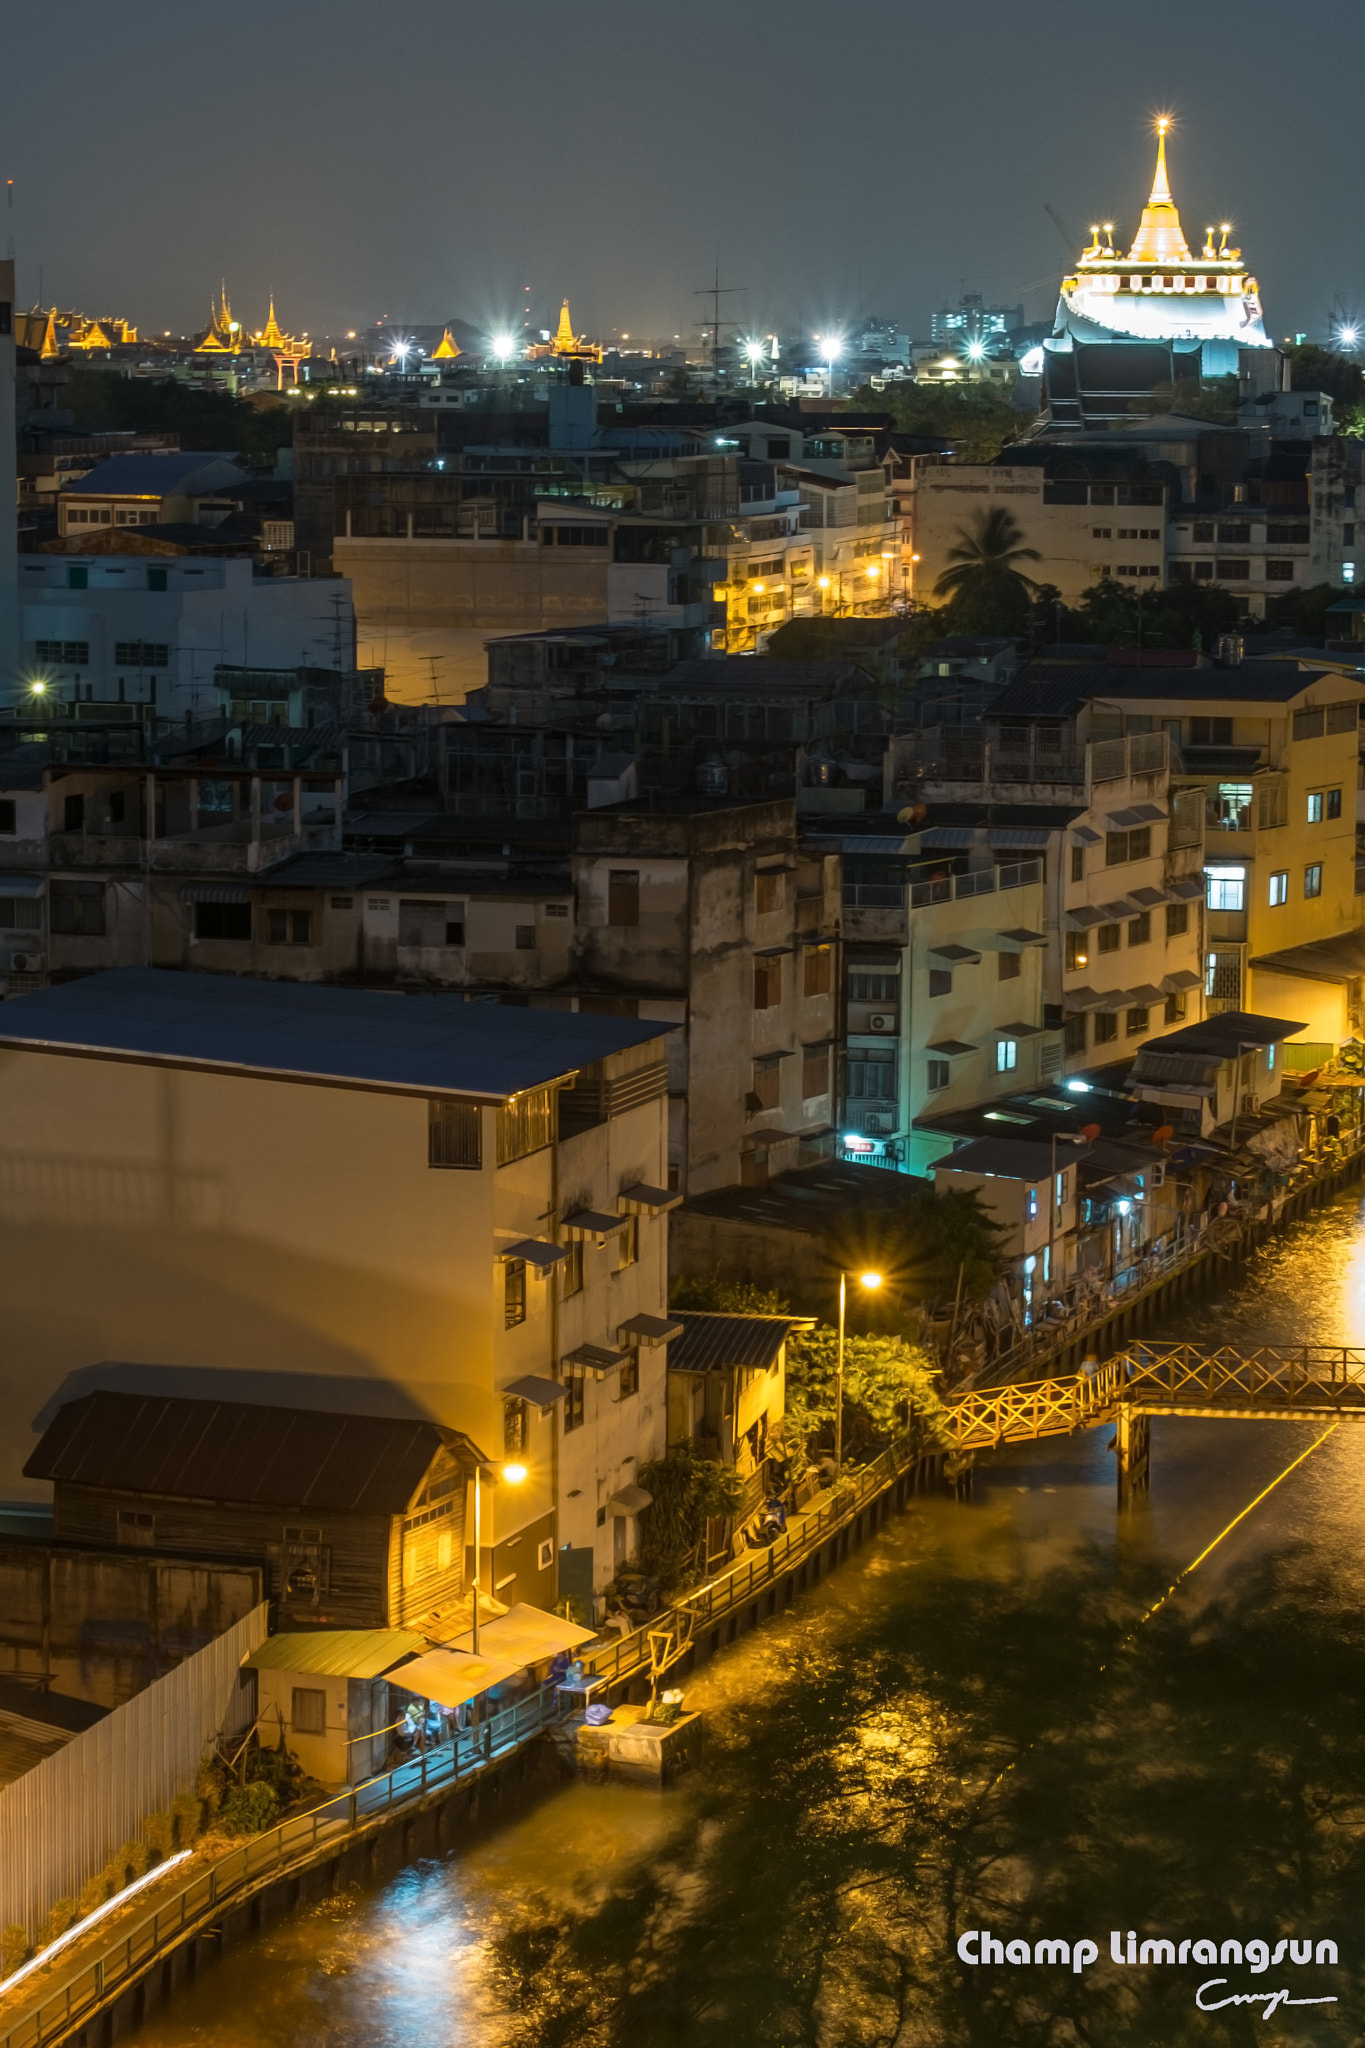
<point>514,1475</point>
<point>871,1281</point>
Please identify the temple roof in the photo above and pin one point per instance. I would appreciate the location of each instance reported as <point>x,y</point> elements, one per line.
<point>1160,238</point>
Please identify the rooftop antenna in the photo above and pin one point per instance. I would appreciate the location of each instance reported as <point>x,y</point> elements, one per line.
<point>716,292</point>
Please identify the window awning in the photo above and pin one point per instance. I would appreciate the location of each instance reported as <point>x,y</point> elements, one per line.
<point>954,952</point>
<point>949,1047</point>
<point>592,1360</point>
<point>1085,836</point>
<point>1020,935</point>
<point>1185,891</point>
<point>1020,839</point>
<point>540,1393</point>
<point>629,1501</point>
<point>946,839</point>
<point>1176,984</point>
<point>1136,814</point>
<point>21,885</point>
<point>653,1200</point>
<point>1083,917</point>
<point>214,892</point>
<point>535,1251</point>
<point>1019,1030</point>
<point>1146,993</point>
<point>1148,898</point>
<point>647,1329</point>
<point>1120,908</point>
<point>594,1223</point>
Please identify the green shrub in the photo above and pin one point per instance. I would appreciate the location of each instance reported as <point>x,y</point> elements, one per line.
<point>13,1949</point>
<point>158,1832</point>
<point>249,1809</point>
<point>686,1491</point>
<point>209,1787</point>
<point>94,1892</point>
<point>186,1819</point>
<point>61,1915</point>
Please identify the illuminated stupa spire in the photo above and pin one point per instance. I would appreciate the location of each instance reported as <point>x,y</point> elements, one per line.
<point>1160,237</point>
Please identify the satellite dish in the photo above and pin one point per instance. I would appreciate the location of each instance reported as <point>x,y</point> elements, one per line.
<point>1090,1132</point>
<point>912,814</point>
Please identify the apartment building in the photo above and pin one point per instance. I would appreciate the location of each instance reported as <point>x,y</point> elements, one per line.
<point>333,1200</point>
<point>1110,520</point>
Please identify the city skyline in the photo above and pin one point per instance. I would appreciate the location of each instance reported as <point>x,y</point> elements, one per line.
<point>300,195</point>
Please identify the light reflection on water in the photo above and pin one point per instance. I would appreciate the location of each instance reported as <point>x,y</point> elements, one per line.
<point>806,1885</point>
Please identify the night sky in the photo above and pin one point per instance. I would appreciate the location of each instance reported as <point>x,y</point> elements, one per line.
<point>427,162</point>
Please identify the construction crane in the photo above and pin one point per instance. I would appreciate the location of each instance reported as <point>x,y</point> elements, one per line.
<point>1072,241</point>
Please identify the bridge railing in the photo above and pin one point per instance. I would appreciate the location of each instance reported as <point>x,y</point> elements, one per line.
<point>1284,1374</point>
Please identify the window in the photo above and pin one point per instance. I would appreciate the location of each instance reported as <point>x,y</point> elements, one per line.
<point>137,1527</point>
<point>1011,965</point>
<point>1177,919</point>
<point>513,1293</point>
<point>814,1072</point>
<point>1312,879</point>
<point>526,1124</point>
<point>1032,1203</point>
<point>623,896</point>
<point>116,807</point>
<point>1278,572</point>
<point>1137,1022</point>
<point>571,1269</point>
<point>142,653</point>
<point>940,981</point>
<point>222,920</point>
<point>1108,936</point>
<point>454,1134</point>
<point>1077,952</point>
<point>1140,929</point>
<point>630,1373</point>
<point>1006,1055</point>
<point>1308,724</point>
<point>1279,887</point>
<point>1078,863</point>
<point>515,1429</point>
<point>1210,732</point>
<point>341,902</point>
<point>77,579</point>
<point>1233,569</point>
<point>1315,806</point>
<point>156,579</point>
<point>73,814</point>
<point>8,818</point>
<point>1230,807</point>
<point>628,1243</point>
<point>1106,1027</point>
<point>1073,1033</point>
<point>289,927</point>
<point>1334,803</point>
<point>70,653</point>
<point>767,893</point>
<point>818,970</point>
<point>526,938</point>
<point>21,913</point>
<point>1175,1010</point>
<point>766,1089</point>
<point>879,987</point>
<point>1125,846</point>
<point>939,1074</point>
<point>573,1405</point>
<point>871,1074</point>
<point>308,1711</point>
<point>77,908</point>
<point>1226,888</point>
<point>768,981</point>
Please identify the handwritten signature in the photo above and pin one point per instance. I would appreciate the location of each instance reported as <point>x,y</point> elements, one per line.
<point>1270,1999</point>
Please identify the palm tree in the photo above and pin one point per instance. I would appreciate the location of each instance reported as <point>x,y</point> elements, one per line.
<point>985,560</point>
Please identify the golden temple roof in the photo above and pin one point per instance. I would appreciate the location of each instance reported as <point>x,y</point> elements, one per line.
<point>446,349</point>
<point>1160,237</point>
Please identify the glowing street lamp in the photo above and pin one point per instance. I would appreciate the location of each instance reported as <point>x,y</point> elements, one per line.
<point>832,346</point>
<point>755,352</point>
<point>871,1281</point>
<point>514,1475</point>
<point>504,346</point>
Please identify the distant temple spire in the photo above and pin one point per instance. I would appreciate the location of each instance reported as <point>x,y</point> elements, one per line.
<point>1160,237</point>
<point>446,349</point>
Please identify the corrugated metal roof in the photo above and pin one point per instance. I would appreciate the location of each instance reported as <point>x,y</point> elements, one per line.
<point>157,476</point>
<point>428,1044</point>
<point>236,1451</point>
<point>710,1342</point>
<point>337,1652</point>
<point>1006,1158</point>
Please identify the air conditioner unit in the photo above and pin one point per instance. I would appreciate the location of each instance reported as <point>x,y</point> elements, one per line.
<point>880,1120</point>
<point>882,1020</point>
<point>26,963</point>
<point>1248,1103</point>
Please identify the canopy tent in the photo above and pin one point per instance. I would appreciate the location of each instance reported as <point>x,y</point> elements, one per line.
<point>450,1677</point>
<point>528,1634</point>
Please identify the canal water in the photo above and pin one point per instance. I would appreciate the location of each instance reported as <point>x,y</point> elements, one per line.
<point>953,1732</point>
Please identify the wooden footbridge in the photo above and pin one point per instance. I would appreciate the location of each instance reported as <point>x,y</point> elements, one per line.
<point>1275,1383</point>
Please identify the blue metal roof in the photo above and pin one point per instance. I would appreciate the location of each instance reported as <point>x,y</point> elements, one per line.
<point>156,476</point>
<point>352,1038</point>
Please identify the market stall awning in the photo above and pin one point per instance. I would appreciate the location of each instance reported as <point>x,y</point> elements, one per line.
<point>450,1677</point>
<point>529,1634</point>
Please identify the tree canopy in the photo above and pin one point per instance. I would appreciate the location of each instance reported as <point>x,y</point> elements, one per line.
<point>105,402</point>
<point>1321,369</point>
<point>975,417</point>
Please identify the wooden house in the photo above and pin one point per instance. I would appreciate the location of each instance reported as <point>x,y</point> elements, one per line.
<point>356,1520</point>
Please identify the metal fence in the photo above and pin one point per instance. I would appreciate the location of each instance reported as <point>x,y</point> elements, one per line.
<point>63,1820</point>
<point>60,2006</point>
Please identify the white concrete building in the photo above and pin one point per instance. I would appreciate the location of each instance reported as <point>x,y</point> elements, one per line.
<point>149,629</point>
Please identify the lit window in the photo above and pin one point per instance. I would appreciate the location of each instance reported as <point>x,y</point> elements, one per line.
<point>1279,887</point>
<point>1312,879</point>
<point>1315,806</point>
<point>1032,1203</point>
<point>1006,1055</point>
<point>1227,888</point>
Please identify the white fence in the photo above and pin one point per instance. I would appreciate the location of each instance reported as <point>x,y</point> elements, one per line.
<point>64,1819</point>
